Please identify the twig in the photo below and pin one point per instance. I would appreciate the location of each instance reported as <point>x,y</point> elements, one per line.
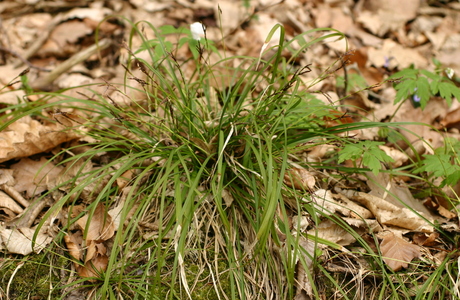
<point>23,60</point>
<point>46,81</point>
<point>11,279</point>
<point>29,215</point>
<point>40,40</point>
<point>15,195</point>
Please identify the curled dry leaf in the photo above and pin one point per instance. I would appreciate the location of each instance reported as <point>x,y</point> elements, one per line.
<point>6,177</point>
<point>227,196</point>
<point>93,267</point>
<point>300,223</point>
<point>94,249</point>
<point>367,225</point>
<point>399,158</point>
<point>434,205</point>
<point>388,188</point>
<point>387,213</point>
<point>316,153</point>
<point>419,147</point>
<point>331,203</point>
<point>115,214</point>
<point>100,227</point>
<point>27,137</point>
<point>73,242</point>
<point>406,56</point>
<point>35,177</point>
<point>19,240</point>
<point>299,178</point>
<point>424,239</point>
<point>303,283</point>
<point>7,202</point>
<point>397,253</point>
<point>332,232</point>
<point>446,213</point>
<point>125,178</point>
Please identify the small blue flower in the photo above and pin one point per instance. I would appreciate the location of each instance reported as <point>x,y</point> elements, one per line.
<point>415,97</point>
<point>387,61</point>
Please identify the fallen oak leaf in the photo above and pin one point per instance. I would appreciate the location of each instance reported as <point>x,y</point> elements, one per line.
<point>304,270</point>
<point>94,250</point>
<point>26,137</point>
<point>35,177</point>
<point>21,240</point>
<point>424,239</point>
<point>73,243</point>
<point>93,267</point>
<point>7,202</point>
<point>299,178</point>
<point>100,227</point>
<point>397,253</point>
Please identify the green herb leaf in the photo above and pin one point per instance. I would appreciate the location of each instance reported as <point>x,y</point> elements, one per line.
<point>372,155</point>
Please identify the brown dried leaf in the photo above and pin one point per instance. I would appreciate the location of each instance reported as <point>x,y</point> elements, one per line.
<point>7,202</point>
<point>73,242</point>
<point>331,203</point>
<point>390,193</point>
<point>316,153</point>
<point>399,157</point>
<point>423,239</point>
<point>19,240</point>
<point>303,283</point>
<point>388,15</point>
<point>63,39</point>
<point>6,177</point>
<point>227,196</point>
<point>125,178</point>
<point>100,228</point>
<point>446,213</point>
<point>94,267</point>
<point>94,13</point>
<point>452,119</point>
<point>8,215</point>
<point>94,250</point>
<point>397,253</point>
<point>332,232</point>
<point>27,137</point>
<point>405,56</point>
<point>299,178</point>
<point>22,31</point>
<point>33,176</point>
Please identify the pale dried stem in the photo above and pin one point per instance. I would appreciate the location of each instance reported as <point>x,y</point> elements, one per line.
<point>41,39</point>
<point>45,82</point>
<point>28,216</point>
<point>15,195</point>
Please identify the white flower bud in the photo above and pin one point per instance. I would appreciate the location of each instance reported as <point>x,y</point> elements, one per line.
<point>450,73</point>
<point>197,30</point>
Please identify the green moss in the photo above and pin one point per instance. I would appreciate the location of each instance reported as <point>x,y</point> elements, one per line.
<point>32,280</point>
<point>204,289</point>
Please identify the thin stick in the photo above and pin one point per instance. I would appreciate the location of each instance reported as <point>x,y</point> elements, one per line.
<point>15,195</point>
<point>11,279</point>
<point>46,81</point>
<point>41,39</point>
<point>22,59</point>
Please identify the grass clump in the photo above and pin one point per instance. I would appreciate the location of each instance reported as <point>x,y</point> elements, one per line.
<point>213,190</point>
